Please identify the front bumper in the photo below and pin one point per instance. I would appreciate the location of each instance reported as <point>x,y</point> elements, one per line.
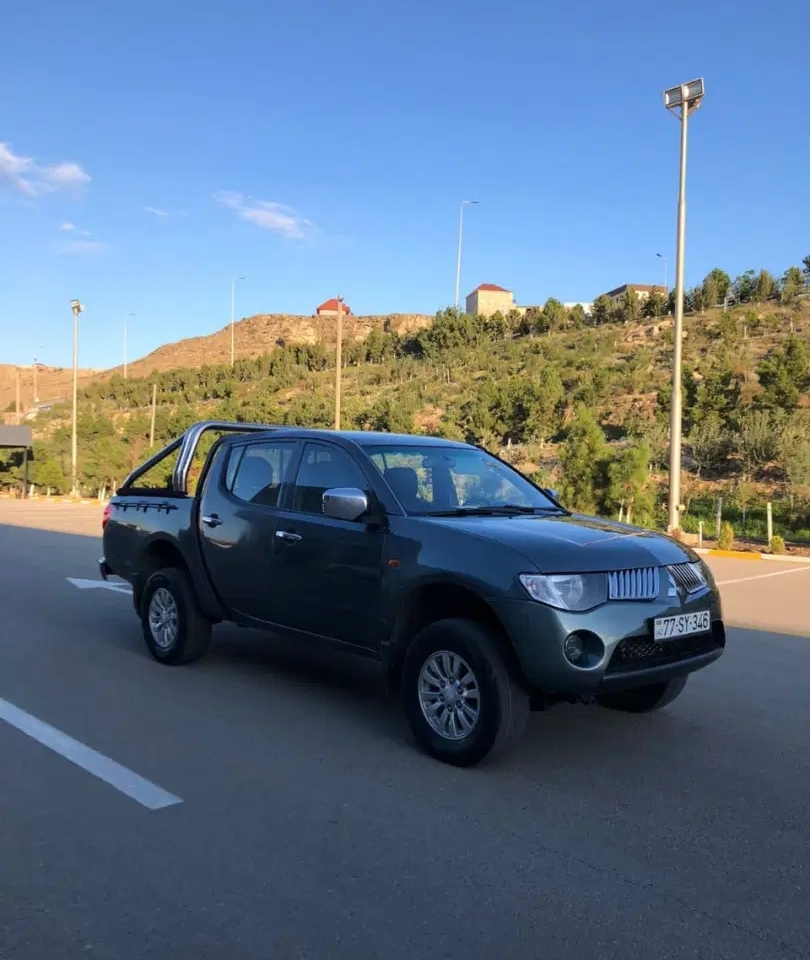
<point>631,656</point>
<point>104,569</point>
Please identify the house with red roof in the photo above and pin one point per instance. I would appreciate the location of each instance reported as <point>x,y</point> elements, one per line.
<point>329,308</point>
<point>489,298</point>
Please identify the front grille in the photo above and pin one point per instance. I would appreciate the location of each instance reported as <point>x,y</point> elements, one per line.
<point>640,584</point>
<point>640,653</point>
<point>688,577</point>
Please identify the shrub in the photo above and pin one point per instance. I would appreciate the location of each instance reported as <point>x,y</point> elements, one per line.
<point>726,539</point>
<point>777,544</point>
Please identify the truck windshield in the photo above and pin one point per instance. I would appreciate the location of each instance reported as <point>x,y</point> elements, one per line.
<point>450,481</point>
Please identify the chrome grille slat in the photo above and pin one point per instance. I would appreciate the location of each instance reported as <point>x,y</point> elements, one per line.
<point>642,583</point>
<point>688,577</point>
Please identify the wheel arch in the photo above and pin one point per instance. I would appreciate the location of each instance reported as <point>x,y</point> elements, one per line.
<point>443,599</point>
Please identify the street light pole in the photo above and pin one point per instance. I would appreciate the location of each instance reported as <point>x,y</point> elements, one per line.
<point>233,317</point>
<point>338,360</point>
<point>464,203</point>
<point>687,96</point>
<point>77,308</point>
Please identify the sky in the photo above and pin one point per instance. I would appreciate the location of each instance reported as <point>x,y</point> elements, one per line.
<point>153,150</point>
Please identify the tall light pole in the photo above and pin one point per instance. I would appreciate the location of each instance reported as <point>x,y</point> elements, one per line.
<point>338,361</point>
<point>666,266</point>
<point>464,203</point>
<point>126,337</point>
<point>233,316</point>
<point>35,367</point>
<point>77,308</point>
<point>687,97</point>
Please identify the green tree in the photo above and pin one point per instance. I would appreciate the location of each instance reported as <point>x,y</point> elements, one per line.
<point>707,442</point>
<point>792,284</point>
<point>555,315</point>
<point>745,287</point>
<point>711,291</point>
<point>765,285</point>
<point>629,306</point>
<point>583,460</point>
<point>784,375</point>
<point>655,305</point>
<point>577,317</point>
<point>721,282</point>
<point>756,441</point>
<point>629,484</point>
<point>602,310</point>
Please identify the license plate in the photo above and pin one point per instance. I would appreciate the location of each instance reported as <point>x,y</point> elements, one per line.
<point>669,628</point>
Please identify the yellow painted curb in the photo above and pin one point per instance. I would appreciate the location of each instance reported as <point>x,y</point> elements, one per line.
<point>735,554</point>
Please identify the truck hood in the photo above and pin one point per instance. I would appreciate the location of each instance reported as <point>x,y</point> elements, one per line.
<point>575,544</point>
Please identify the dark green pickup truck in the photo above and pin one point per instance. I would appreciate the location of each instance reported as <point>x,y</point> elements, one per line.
<point>478,592</point>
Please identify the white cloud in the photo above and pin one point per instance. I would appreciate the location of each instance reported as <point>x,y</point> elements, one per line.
<point>34,179</point>
<point>81,246</point>
<point>67,227</point>
<point>157,211</point>
<point>275,217</point>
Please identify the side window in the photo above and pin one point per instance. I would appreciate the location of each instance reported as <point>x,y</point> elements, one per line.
<point>321,469</point>
<point>257,476</point>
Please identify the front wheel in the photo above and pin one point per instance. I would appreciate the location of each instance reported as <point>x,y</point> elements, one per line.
<point>174,627</point>
<point>462,701</point>
<point>643,699</point>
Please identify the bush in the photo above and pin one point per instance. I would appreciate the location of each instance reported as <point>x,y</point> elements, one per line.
<point>777,544</point>
<point>726,539</point>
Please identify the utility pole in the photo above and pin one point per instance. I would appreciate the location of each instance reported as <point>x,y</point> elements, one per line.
<point>35,365</point>
<point>77,308</point>
<point>154,408</point>
<point>338,360</point>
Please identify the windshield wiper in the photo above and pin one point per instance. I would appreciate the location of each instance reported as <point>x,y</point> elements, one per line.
<point>494,510</point>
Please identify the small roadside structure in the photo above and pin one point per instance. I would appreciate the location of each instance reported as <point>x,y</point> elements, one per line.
<point>19,438</point>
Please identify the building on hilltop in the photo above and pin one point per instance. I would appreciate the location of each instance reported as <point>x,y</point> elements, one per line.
<point>329,308</point>
<point>641,290</point>
<point>489,298</point>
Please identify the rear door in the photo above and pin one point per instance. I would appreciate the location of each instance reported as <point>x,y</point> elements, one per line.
<point>327,572</point>
<point>239,511</point>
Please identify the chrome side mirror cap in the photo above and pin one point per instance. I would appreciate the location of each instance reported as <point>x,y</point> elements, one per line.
<point>344,503</point>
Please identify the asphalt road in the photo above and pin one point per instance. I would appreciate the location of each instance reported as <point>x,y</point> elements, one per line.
<point>311,827</point>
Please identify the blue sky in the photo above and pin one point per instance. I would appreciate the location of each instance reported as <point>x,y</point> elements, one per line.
<point>322,147</point>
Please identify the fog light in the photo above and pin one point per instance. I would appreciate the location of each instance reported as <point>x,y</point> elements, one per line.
<point>573,648</point>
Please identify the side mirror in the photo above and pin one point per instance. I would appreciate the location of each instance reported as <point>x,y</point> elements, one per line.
<point>554,494</point>
<point>344,503</point>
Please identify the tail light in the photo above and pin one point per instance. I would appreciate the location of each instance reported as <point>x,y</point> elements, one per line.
<point>105,519</point>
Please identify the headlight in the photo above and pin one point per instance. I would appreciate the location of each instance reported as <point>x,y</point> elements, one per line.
<point>567,591</point>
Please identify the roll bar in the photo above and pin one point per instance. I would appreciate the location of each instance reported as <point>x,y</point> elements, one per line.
<point>187,443</point>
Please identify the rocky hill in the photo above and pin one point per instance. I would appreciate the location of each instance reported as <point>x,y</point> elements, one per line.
<point>253,337</point>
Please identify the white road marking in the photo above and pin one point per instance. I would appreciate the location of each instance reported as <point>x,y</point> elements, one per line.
<point>99,585</point>
<point>762,576</point>
<point>142,791</point>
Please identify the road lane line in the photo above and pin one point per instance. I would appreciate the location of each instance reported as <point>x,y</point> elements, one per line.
<point>762,576</point>
<point>126,781</point>
<point>99,585</point>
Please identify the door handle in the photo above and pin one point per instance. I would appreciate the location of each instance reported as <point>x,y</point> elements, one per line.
<point>288,536</point>
<point>212,521</point>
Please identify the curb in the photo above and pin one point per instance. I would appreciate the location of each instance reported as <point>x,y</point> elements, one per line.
<point>744,555</point>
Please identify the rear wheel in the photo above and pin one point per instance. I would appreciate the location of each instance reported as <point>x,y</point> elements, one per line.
<point>174,627</point>
<point>643,699</point>
<point>461,699</point>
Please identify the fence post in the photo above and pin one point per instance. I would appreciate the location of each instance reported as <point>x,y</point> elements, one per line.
<point>700,533</point>
<point>719,515</point>
<point>769,515</point>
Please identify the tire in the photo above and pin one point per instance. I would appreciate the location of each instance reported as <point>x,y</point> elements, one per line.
<point>643,699</point>
<point>502,704</point>
<point>191,630</point>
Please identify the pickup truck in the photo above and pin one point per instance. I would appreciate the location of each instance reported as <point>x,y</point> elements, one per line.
<point>481,596</point>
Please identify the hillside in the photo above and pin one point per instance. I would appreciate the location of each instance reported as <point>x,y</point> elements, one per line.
<point>582,406</point>
<point>253,337</point>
